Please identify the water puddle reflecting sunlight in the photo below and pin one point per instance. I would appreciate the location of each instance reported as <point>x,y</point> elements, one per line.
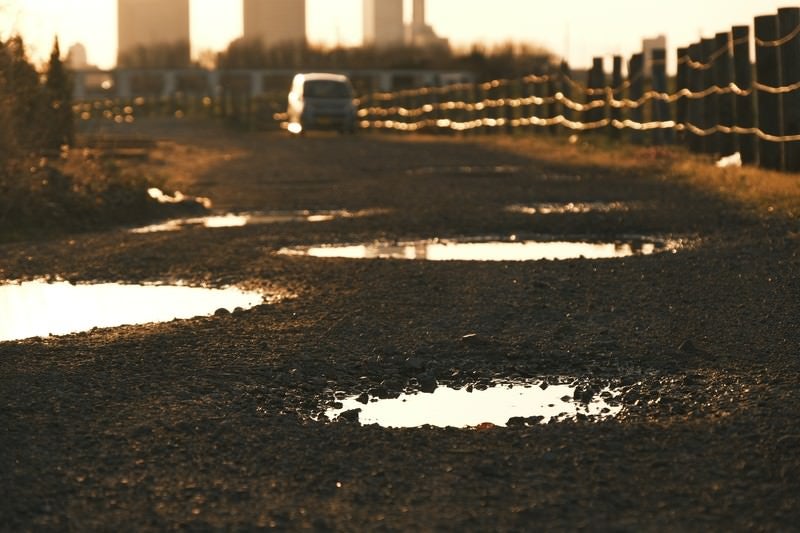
<point>38,308</point>
<point>488,250</point>
<point>574,208</point>
<point>507,404</point>
<point>234,220</point>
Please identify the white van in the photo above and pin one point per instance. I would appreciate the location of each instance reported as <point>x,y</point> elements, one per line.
<point>321,101</point>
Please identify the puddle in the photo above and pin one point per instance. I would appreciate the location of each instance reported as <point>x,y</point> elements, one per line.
<point>39,309</point>
<point>573,208</point>
<point>234,220</point>
<point>473,170</point>
<point>501,405</point>
<point>488,250</point>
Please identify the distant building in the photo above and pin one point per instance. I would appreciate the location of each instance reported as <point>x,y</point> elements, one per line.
<point>275,21</point>
<point>383,23</point>
<point>648,45</point>
<point>76,57</point>
<point>420,34</point>
<point>148,23</point>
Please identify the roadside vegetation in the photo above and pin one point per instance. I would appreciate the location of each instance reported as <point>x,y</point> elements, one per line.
<point>756,189</point>
<point>486,63</point>
<point>47,185</point>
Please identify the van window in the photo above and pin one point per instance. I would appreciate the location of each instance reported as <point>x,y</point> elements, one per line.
<point>326,89</point>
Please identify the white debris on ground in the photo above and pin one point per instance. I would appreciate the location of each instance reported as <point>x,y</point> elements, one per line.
<point>162,198</point>
<point>733,160</point>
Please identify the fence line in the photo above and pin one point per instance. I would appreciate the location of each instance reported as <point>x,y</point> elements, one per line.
<point>715,107</point>
<point>559,97</point>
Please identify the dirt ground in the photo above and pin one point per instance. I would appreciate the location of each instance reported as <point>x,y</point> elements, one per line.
<point>208,423</point>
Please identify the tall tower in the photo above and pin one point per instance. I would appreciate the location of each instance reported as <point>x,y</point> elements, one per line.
<point>275,21</point>
<point>145,23</point>
<point>383,23</point>
<point>418,16</point>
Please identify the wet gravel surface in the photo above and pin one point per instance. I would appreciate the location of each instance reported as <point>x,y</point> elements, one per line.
<point>209,423</point>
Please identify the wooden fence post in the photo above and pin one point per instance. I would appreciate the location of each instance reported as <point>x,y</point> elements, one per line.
<point>660,107</point>
<point>512,113</point>
<point>723,76</point>
<point>636,91</point>
<point>597,82</point>
<point>789,21</point>
<point>682,82</point>
<point>552,108</point>
<point>566,91</point>
<point>540,110</point>
<point>696,142</point>
<point>745,109</point>
<point>483,113</point>
<point>768,72</point>
<point>465,97</point>
<point>617,88</point>
<point>710,102</point>
<point>527,92</point>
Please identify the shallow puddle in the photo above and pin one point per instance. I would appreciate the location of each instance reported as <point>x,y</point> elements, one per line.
<point>573,208</point>
<point>479,250</point>
<point>38,308</point>
<point>468,170</point>
<point>234,220</point>
<point>500,405</point>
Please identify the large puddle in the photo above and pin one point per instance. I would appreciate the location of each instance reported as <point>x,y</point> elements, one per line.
<point>39,309</point>
<point>234,220</point>
<point>488,250</point>
<point>508,404</point>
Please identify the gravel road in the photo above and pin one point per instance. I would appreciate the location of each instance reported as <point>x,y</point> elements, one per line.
<point>209,423</point>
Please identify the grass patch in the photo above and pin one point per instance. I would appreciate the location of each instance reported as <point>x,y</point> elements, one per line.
<point>753,188</point>
<point>77,190</point>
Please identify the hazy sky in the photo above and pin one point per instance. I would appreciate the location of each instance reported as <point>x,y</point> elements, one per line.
<point>578,29</point>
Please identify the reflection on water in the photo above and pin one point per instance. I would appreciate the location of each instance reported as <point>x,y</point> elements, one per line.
<point>38,308</point>
<point>573,208</point>
<point>178,198</point>
<point>496,170</point>
<point>496,405</point>
<point>511,250</point>
<point>234,220</point>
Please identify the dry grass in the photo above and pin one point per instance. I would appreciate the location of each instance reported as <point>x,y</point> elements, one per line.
<point>754,188</point>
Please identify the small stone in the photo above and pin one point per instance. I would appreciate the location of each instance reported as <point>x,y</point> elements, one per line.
<point>350,415</point>
<point>221,312</point>
<point>515,421</point>
<point>379,392</point>
<point>363,398</point>
<point>427,383</point>
<point>583,395</point>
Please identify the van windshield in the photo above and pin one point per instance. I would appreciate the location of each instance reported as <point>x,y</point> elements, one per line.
<point>326,89</point>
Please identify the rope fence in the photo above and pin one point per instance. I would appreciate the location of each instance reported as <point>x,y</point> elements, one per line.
<point>717,106</point>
